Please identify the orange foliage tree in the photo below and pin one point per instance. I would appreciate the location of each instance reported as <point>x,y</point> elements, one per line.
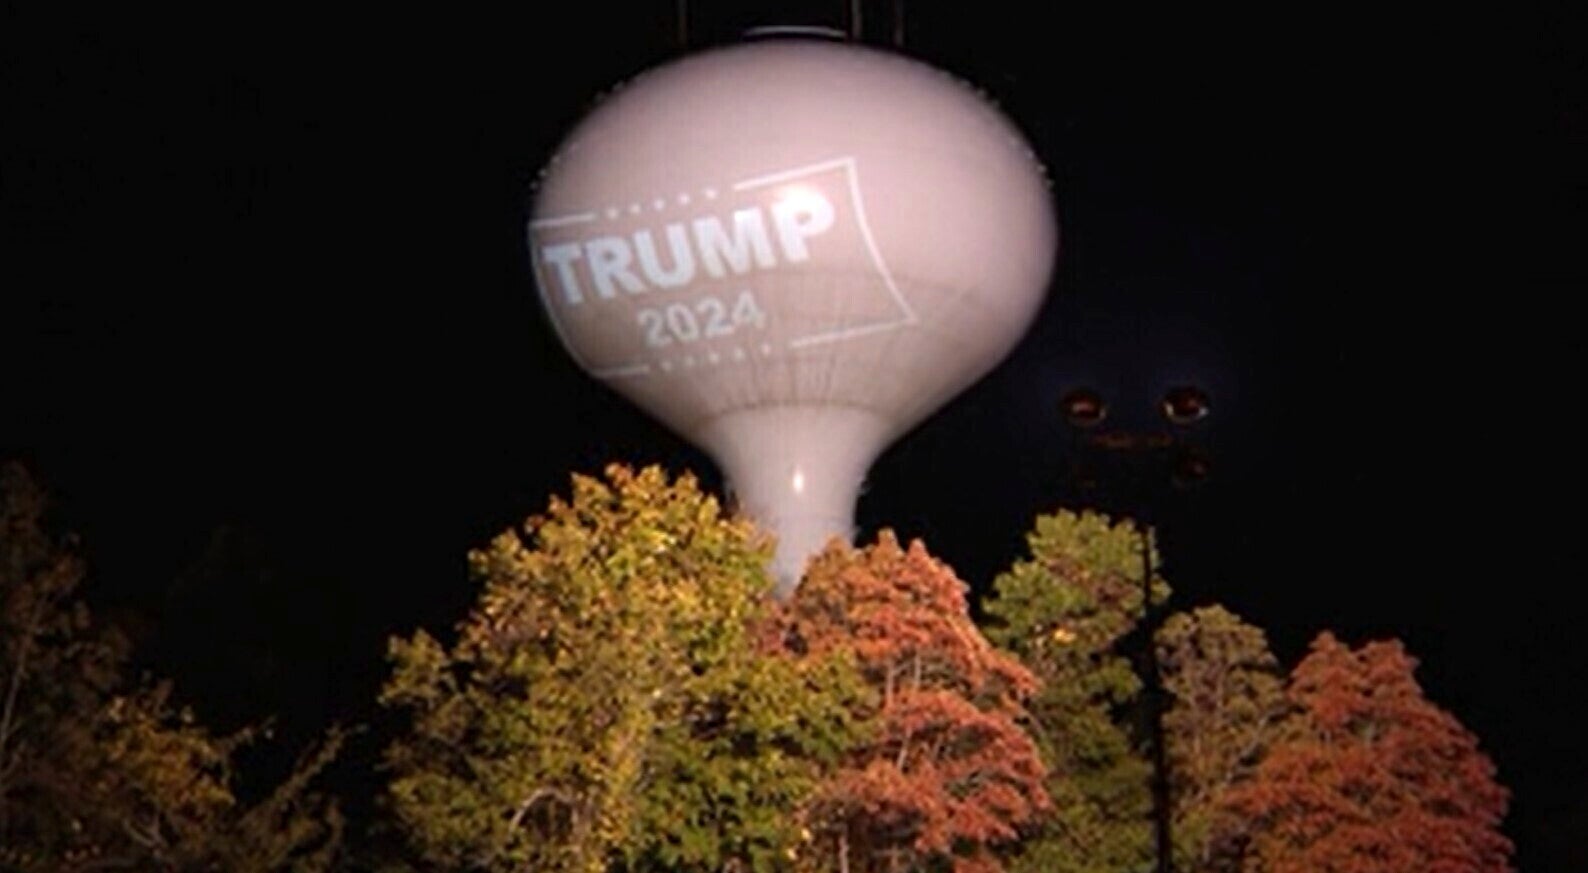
<point>947,771</point>
<point>1368,776</point>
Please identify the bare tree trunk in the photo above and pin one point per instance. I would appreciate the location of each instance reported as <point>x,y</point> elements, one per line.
<point>18,675</point>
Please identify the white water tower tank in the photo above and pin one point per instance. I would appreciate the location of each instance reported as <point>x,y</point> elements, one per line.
<point>791,252</point>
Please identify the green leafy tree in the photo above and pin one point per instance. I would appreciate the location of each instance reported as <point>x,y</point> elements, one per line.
<point>609,703</point>
<point>1228,699</point>
<point>947,773</point>
<point>98,772</point>
<point>1064,611</point>
<point>1368,776</point>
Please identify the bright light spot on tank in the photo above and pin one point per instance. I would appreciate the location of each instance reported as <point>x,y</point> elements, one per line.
<point>799,481</point>
<point>801,198</point>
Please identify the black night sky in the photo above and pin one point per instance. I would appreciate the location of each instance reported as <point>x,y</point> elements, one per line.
<point>268,331</point>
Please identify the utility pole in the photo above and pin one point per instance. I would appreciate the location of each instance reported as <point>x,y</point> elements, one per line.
<point>1183,407</point>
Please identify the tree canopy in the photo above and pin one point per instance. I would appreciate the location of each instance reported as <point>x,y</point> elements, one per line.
<point>608,703</point>
<point>946,773</point>
<point>1368,776</point>
<point>98,771</point>
<point>626,695</point>
<point>1228,699</point>
<point>1064,611</point>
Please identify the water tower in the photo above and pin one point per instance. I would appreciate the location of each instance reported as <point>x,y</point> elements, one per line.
<point>791,251</point>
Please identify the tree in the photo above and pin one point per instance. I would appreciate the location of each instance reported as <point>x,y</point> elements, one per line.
<point>607,704</point>
<point>1368,776</point>
<point>97,772</point>
<point>1064,612</point>
<point>1228,696</point>
<point>946,773</point>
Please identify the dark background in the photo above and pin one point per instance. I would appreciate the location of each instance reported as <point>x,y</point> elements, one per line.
<point>268,330</point>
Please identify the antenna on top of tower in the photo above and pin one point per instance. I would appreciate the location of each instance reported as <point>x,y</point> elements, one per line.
<point>854,31</point>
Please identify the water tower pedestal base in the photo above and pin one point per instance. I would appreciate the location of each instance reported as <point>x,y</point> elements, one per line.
<point>797,471</point>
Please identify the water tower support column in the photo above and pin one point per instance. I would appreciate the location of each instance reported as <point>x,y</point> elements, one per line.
<point>797,470</point>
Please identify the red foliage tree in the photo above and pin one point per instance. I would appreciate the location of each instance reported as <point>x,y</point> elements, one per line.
<point>946,772</point>
<point>1368,776</point>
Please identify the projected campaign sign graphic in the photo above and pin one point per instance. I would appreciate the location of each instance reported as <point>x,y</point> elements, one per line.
<point>691,278</point>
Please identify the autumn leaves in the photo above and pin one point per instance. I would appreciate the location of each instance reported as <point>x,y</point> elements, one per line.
<point>626,696</point>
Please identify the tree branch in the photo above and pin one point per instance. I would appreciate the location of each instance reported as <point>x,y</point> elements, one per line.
<point>523,809</point>
<point>15,688</point>
<point>529,802</point>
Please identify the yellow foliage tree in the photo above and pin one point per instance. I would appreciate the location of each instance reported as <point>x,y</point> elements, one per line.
<point>608,704</point>
<point>98,772</point>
